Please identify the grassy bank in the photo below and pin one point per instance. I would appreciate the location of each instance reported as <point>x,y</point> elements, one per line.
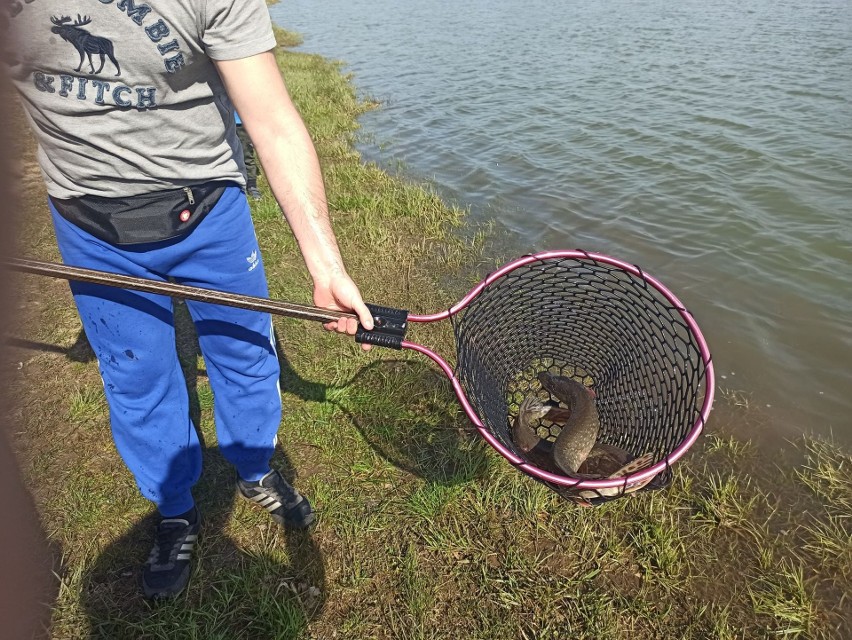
<point>423,532</point>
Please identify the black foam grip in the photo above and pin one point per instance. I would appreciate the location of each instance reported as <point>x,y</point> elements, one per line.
<point>388,312</point>
<point>363,336</point>
<point>389,327</point>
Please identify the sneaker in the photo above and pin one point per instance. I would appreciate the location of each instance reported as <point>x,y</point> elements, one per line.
<point>166,571</point>
<point>254,193</point>
<point>286,505</point>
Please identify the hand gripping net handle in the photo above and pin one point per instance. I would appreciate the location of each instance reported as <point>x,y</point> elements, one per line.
<point>595,319</point>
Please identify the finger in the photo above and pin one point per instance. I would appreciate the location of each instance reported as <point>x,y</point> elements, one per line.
<point>363,313</point>
<point>330,326</point>
<point>351,326</point>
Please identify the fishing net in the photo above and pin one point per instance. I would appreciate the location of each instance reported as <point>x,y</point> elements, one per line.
<point>605,324</point>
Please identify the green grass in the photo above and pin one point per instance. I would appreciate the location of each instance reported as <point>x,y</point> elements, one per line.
<point>782,596</point>
<point>86,404</point>
<point>423,531</point>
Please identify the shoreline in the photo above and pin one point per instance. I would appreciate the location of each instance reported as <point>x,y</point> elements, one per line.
<point>424,531</point>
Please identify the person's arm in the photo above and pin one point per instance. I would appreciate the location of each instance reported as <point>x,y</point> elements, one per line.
<point>290,162</point>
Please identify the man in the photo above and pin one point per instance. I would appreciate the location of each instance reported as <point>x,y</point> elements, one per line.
<point>133,107</point>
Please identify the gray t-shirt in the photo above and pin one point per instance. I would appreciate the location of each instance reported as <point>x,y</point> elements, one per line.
<point>124,96</point>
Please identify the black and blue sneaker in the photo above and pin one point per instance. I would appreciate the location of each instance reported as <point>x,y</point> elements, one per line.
<point>166,572</point>
<point>286,505</point>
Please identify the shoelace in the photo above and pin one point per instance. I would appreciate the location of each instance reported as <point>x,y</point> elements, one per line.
<point>166,546</point>
<point>289,497</point>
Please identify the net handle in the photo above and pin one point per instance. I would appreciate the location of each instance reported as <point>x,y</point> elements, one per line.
<point>389,327</point>
<point>199,294</point>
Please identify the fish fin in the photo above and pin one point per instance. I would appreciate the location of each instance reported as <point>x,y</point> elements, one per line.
<point>533,405</point>
<point>523,433</point>
<point>558,415</point>
<point>581,501</point>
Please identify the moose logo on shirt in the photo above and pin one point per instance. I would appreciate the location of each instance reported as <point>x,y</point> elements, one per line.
<point>85,43</point>
<point>89,84</point>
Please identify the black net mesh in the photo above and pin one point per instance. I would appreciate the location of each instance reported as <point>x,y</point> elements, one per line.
<point>596,323</point>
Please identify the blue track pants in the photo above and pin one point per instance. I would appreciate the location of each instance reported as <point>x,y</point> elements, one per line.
<point>133,336</point>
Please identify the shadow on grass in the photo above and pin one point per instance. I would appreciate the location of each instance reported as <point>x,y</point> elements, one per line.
<point>407,413</point>
<point>257,586</point>
<point>246,582</point>
<point>80,351</point>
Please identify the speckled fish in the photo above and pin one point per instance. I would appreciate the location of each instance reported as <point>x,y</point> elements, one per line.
<point>580,431</point>
<point>631,467</point>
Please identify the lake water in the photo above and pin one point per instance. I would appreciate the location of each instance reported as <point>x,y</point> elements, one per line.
<point>708,142</point>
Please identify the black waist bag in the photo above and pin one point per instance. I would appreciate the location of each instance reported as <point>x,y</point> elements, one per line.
<point>149,217</point>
